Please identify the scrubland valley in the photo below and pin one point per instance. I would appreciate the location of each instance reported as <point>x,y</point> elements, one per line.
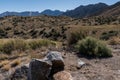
<point>89,47</point>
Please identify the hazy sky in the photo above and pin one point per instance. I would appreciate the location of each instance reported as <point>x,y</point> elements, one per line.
<point>40,5</point>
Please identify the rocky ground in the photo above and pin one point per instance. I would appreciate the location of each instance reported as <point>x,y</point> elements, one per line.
<point>89,69</point>
<point>95,69</point>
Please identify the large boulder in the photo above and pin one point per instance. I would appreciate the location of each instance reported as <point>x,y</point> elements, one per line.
<point>39,69</point>
<point>44,69</point>
<point>62,75</point>
<point>56,58</point>
<point>57,61</point>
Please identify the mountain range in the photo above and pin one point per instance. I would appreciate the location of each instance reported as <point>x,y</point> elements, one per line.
<point>113,10</point>
<point>99,9</point>
<point>31,13</point>
<point>86,11</point>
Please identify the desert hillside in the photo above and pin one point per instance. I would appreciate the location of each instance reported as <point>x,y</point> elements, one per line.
<point>52,27</point>
<point>113,10</point>
<point>89,47</point>
<point>79,44</point>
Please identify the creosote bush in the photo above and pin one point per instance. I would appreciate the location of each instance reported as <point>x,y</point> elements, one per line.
<point>91,47</point>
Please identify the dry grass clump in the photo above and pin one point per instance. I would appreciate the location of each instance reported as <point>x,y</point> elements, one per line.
<point>15,63</point>
<point>7,64</point>
<point>37,56</point>
<point>38,43</point>
<point>3,56</point>
<point>6,67</point>
<point>2,63</point>
<point>10,45</point>
<point>114,41</point>
<point>13,44</point>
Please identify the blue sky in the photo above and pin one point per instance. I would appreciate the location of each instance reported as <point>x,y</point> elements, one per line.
<point>40,5</point>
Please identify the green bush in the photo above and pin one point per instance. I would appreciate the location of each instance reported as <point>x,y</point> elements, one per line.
<point>91,47</point>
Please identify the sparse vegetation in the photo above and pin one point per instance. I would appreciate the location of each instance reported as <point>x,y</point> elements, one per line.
<point>21,45</point>
<point>114,41</point>
<point>108,35</point>
<point>13,44</point>
<point>92,47</point>
<point>82,39</point>
<point>38,43</point>
<point>101,32</point>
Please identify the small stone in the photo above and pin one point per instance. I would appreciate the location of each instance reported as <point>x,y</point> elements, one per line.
<point>63,75</point>
<point>80,64</point>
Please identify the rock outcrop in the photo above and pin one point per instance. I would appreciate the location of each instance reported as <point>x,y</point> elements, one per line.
<point>57,61</point>
<point>39,69</point>
<point>49,68</point>
<point>44,69</point>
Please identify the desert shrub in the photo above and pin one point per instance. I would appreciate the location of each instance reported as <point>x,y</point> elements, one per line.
<point>73,37</point>
<point>41,32</point>
<point>63,29</point>
<point>94,32</point>
<point>34,32</point>
<point>107,35</point>
<point>92,47</point>
<point>2,33</point>
<point>7,47</point>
